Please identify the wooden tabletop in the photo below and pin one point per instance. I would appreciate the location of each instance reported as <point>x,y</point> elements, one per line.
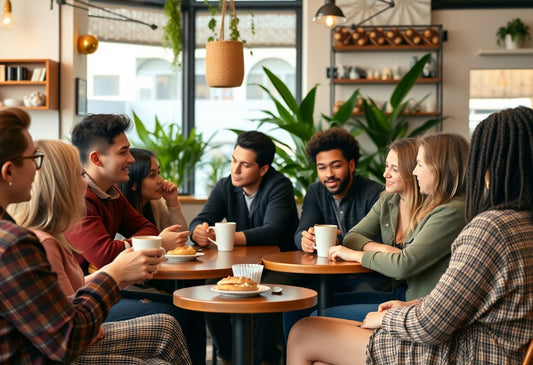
<point>213,264</point>
<point>306,263</point>
<point>202,298</point>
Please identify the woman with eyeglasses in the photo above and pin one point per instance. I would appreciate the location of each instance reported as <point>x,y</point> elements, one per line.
<point>481,310</point>
<point>39,323</point>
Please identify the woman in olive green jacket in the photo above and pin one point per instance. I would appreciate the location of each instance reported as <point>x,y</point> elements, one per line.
<point>416,231</point>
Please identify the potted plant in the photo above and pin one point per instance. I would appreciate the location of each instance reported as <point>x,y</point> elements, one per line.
<point>513,34</point>
<point>172,30</point>
<point>224,59</point>
<point>383,127</point>
<point>178,154</point>
<point>217,168</point>
<point>298,121</point>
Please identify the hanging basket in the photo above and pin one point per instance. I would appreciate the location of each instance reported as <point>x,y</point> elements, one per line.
<point>224,63</point>
<point>224,60</point>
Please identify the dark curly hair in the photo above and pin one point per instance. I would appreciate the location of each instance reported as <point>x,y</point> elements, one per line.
<point>332,139</point>
<point>502,144</point>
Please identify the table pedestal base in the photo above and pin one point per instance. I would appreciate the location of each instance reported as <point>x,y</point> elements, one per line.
<point>243,331</point>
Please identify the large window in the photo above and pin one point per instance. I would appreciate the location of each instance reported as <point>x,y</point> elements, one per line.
<point>139,77</point>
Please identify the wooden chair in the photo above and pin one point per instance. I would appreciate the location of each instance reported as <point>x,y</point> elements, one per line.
<point>528,360</point>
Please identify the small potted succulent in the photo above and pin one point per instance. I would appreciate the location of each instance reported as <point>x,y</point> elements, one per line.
<point>513,34</point>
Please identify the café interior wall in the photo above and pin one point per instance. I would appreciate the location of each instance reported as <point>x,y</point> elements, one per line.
<point>468,31</point>
<point>36,36</point>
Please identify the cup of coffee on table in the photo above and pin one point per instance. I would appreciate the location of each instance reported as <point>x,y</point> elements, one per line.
<point>146,243</point>
<point>325,237</point>
<point>225,235</point>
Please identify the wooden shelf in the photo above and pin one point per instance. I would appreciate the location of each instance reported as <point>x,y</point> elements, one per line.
<point>427,80</point>
<point>17,89</point>
<point>387,48</point>
<point>506,52</point>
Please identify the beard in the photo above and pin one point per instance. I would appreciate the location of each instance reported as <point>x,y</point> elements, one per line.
<point>343,184</point>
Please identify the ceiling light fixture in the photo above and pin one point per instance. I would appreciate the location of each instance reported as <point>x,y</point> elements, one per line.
<point>331,15</point>
<point>116,16</point>
<point>7,18</point>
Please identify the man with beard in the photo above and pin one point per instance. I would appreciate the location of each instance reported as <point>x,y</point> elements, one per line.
<point>342,198</point>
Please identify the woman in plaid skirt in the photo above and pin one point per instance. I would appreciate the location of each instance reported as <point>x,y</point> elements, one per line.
<point>38,323</point>
<point>481,311</point>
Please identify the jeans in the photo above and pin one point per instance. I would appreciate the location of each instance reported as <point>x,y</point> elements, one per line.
<point>367,288</point>
<point>358,312</point>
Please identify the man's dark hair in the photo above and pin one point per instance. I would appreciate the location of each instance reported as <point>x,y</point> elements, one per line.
<point>98,131</point>
<point>333,139</point>
<point>260,143</point>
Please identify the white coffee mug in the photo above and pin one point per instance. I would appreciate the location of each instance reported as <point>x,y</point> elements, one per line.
<point>146,243</point>
<point>325,237</point>
<point>225,235</point>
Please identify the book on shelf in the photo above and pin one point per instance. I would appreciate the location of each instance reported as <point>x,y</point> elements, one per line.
<point>42,74</point>
<point>2,73</point>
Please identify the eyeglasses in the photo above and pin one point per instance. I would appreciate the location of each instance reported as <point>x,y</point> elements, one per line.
<point>37,159</point>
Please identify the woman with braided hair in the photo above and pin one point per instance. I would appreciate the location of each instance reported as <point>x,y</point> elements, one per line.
<point>480,311</point>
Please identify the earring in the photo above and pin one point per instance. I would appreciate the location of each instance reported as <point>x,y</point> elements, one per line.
<point>10,183</point>
<point>487,184</point>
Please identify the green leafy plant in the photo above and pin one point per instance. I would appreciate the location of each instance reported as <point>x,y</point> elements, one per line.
<point>172,30</point>
<point>216,168</point>
<point>298,121</point>
<point>516,29</point>
<point>383,128</point>
<point>235,34</point>
<point>178,154</point>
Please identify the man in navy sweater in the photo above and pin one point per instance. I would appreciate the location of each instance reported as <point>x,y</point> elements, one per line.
<point>261,202</point>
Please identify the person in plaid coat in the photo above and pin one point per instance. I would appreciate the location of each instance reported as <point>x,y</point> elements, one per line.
<point>39,324</point>
<point>481,311</point>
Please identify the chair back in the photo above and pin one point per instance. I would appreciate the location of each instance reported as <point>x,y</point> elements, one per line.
<point>528,360</point>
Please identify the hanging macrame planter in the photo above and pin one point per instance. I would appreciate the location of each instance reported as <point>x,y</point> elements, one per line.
<point>224,60</point>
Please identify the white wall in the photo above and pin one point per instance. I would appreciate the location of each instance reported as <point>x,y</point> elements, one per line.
<point>468,31</point>
<point>36,35</point>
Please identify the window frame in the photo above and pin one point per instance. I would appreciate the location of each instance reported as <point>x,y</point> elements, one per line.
<point>189,11</point>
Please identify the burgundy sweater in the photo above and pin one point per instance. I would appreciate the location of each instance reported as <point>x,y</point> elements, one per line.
<point>104,218</point>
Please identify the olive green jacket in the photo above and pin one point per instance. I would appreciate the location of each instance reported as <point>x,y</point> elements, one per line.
<point>426,251</point>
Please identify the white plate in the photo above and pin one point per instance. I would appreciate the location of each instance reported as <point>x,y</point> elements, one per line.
<point>242,294</point>
<point>183,258</point>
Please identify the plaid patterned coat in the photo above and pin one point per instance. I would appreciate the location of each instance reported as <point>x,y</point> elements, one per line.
<point>480,312</point>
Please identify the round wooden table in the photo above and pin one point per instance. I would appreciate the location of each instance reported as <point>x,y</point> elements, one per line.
<point>306,263</point>
<point>202,298</point>
<point>214,263</point>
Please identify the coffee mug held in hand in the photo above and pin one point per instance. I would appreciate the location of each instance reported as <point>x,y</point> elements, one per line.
<point>146,243</point>
<point>225,235</point>
<point>325,237</point>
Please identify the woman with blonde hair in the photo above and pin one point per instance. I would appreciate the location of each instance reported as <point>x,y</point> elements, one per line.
<point>480,311</point>
<point>40,324</point>
<point>416,226</point>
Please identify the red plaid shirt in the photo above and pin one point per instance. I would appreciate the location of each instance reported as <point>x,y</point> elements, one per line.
<point>38,323</point>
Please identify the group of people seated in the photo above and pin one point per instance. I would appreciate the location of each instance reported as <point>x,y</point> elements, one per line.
<point>449,239</point>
